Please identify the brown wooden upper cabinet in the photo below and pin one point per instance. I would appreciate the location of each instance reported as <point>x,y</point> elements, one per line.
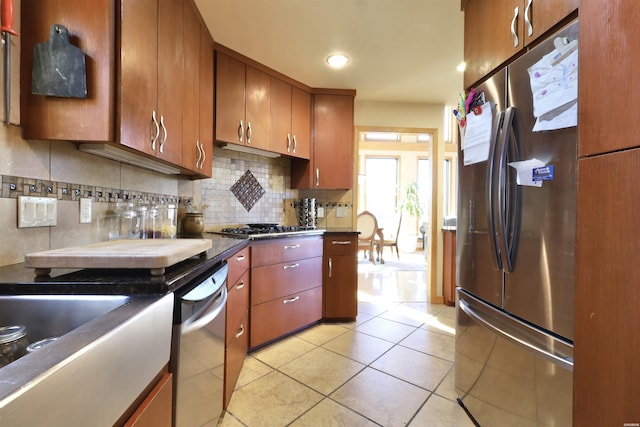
<point>242,103</point>
<point>135,79</point>
<point>496,30</point>
<point>331,165</point>
<point>197,147</point>
<point>290,131</point>
<point>151,77</point>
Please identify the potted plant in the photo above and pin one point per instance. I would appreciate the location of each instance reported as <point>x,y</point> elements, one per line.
<point>411,205</point>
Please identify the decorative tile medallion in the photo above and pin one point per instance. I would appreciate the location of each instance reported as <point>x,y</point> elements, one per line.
<point>247,190</point>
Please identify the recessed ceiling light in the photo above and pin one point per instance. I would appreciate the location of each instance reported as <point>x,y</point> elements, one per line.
<point>337,60</point>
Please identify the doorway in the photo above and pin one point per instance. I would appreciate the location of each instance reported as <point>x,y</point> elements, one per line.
<point>393,164</point>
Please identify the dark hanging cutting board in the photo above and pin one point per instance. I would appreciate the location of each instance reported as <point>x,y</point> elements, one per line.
<point>58,67</point>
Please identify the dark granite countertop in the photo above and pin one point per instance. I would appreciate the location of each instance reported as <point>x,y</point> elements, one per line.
<point>17,279</point>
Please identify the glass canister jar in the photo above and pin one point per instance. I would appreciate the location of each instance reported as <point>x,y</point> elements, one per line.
<point>169,220</point>
<point>13,343</point>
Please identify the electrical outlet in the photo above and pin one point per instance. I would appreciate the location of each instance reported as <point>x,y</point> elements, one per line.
<point>341,212</point>
<point>85,210</point>
<point>320,212</point>
<point>37,211</point>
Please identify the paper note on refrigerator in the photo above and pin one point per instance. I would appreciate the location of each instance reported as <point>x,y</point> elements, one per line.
<point>525,175</point>
<point>554,85</point>
<point>477,137</point>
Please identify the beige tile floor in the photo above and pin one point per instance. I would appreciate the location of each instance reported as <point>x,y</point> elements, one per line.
<point>393,366</point>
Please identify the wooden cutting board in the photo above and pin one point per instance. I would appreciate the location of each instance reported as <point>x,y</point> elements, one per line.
<point>154,254</point>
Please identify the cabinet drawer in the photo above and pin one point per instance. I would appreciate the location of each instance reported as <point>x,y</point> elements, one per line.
<point>284,250</point>
<point>284,315</point>
<point>234,357</point>
<point>275,281</point>
<point>238,265</point>
<point>341,244</point>
<point>237,305</point>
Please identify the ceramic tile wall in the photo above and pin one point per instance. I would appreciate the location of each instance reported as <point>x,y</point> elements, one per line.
<point>228,167</point>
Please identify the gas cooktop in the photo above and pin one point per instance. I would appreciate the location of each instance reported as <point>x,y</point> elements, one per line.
<point>255,231</point>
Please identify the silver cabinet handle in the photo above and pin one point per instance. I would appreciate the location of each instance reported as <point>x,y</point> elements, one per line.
<point>287,247</point>
<point>199,154</point>
<point>317,177</point>
<point>514,33</point>
<point>287,267</point>
<point>164,129</point>
<point>330,267</point>
<point>288,143</point>
<point>241,131</point>
<point>157,134</point>
<point>204,156</point>
<point>240,332</point>
<point>289,301</point>
<point>240,258</point>
<point>248,132</point>
<point>295,144</point>
<point>341,242</point>
<point>527,18</point>
<point>240,285</point>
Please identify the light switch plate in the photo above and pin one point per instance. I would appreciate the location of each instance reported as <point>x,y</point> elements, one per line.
<point>85,210</point>
<point>320,212</point>
<point>341,212</point>
<point>37,211</point>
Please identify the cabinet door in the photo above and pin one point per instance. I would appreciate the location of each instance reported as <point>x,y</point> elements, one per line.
<point>541,15</point>
<point>230,78</point>
<point>155,410</point>
<point>488,38</point>
<point>191,154</point>
<point>334,142</point>
<point>234,356</point>
<point>606,390</point>
<point>340,287</point>
<point>91,30</point>
<point>257,108</point>
<point>301,122</point>
<point>170,71</point>
<point>138,74</point>
<point>207,96</point>
<point>606,84</point>
<point>280,139</point>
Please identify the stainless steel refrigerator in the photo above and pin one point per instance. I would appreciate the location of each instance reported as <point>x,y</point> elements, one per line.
<point>515,263</point>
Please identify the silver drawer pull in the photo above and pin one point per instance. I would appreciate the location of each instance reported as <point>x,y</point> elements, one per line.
<point>240,258</point>
<point>286,267</point>
<point>240,332</point>
<point>286,247</point>
<point>341,242</point>
<point>287,301</point>
<point>240,285</point>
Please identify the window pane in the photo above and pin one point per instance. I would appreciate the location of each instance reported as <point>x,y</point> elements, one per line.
<point>381,186</point>
<point>424,187</point>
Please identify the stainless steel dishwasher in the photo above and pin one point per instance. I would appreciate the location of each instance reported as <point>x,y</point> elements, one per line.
<point>197,354</point>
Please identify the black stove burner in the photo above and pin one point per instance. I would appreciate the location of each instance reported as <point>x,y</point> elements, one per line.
<point>267,229</point>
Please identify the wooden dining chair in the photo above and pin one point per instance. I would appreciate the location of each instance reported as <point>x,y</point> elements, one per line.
<point>367,225</point>
<point>391,242</point>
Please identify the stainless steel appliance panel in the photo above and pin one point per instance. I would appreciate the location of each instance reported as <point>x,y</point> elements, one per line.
<point>198,353</point>
<point>540,287</point>
<point>478,270</point>
<point>508,373</point>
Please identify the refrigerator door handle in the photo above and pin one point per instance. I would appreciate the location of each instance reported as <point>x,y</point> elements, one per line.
<point>491,189</point>
<point>547,354</point>
<point>508,203</point>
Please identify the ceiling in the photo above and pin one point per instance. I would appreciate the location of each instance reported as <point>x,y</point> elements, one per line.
<point>400,50</point>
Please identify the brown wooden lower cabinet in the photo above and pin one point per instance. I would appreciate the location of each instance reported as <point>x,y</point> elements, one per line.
<point>340,276</point>
<point>281,316</point>
<point>235,353</point>
<point>155,409</point>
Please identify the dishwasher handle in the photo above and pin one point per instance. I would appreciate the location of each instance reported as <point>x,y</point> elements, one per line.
<point>206,316</point>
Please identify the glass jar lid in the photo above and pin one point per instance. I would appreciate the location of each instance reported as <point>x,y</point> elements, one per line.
<point>12,333</point>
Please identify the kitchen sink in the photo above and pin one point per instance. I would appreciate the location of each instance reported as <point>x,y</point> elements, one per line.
<point>47,316</point>
<point>109,348</point>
